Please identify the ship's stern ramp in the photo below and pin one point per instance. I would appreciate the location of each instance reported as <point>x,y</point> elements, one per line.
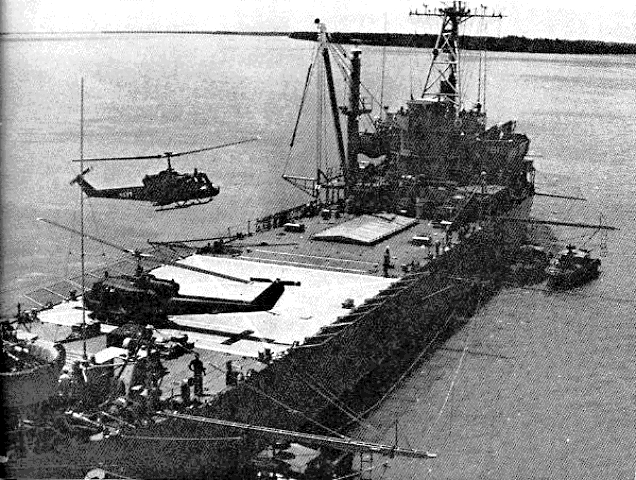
<point>366,229</point>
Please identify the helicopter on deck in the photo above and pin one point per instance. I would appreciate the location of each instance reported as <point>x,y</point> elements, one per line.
<point>164,188</point>
<point>144,298</point>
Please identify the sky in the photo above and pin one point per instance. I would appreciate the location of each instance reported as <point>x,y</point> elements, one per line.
<point>565,19</point>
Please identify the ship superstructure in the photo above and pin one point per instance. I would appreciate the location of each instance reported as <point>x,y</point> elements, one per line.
<point>438,158</point>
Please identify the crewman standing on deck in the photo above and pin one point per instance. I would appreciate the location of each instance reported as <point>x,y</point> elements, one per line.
<point>196,366</point>
<point>386,263</point>
<point>64,385</point>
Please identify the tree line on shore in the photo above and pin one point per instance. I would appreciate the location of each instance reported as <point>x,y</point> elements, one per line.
<point>495,44</point>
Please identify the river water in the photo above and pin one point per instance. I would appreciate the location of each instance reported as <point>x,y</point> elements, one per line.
<point>537,385</point>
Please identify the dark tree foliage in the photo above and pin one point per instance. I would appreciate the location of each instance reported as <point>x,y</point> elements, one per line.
<point>496,44</point>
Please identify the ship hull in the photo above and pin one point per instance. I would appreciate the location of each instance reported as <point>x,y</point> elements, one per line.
<point>565,280</point>
<point>300,390</point>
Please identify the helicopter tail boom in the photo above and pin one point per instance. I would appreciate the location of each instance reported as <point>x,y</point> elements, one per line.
<point>192,305</point>
<point>125,193</point>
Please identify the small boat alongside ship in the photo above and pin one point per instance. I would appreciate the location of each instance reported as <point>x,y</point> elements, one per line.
<point>572,267</point>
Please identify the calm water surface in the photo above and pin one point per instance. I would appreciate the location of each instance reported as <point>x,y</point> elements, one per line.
<point>555,397</point>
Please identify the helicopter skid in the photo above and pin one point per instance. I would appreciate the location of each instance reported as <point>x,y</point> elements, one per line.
<point>184,204</point>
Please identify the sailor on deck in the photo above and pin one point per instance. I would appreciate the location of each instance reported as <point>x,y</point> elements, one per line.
<point>185,393</point>
<point>196,366</point>
<point>64,388</point>
<point>386,263</point>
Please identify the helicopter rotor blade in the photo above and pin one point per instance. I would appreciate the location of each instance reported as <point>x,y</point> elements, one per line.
<point>160,256</point>
<point>107,159</point>
<point>203,270</point>
<point>215,147</point>
<point>167,154</point>
<point>138,254</point>
<point>96,239</point>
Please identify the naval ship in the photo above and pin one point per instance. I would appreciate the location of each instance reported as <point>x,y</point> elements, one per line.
<point>389,255</point>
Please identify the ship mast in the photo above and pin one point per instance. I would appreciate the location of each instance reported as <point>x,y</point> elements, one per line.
<point>443,79</point>
<point>322,74</point>
<point>327,74</point>
<point>320,94</point>
<point>82,217</point>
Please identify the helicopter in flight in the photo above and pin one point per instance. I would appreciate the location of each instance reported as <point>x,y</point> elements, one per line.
<point>164,188</point>
<point>144,298</point>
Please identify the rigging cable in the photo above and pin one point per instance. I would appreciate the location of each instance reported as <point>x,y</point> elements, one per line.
<point>282,404</point>
<point>411,70</point>
<point>482,99</point>
<point>93,221</point>
<point>302,102</point>
<point>383,67</point>
<point>334,400</point>
<point>481,76</point>
<point>500,24</point>
<point>413,364</point>
<point>69,252</point>
<point>310,71</point>
<point>456,373</point>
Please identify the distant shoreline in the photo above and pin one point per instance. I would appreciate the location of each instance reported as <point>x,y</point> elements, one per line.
<point>141,32</point>
<point>495,44</point>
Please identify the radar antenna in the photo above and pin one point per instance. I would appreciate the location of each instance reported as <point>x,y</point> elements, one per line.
<point>443,80</point>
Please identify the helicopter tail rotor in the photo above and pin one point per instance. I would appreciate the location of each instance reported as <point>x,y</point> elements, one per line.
<point>79,178</point>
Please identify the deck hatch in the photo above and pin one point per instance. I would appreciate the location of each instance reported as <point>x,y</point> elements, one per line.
<point>366,230</point>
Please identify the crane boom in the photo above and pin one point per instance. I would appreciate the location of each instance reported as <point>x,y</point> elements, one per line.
<point>346,443</point>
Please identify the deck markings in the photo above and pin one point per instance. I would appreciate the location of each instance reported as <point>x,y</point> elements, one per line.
<point>321,257</point>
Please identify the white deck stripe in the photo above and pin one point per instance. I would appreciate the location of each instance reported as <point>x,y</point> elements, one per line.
<point>316,256</point>
<point>306,265</point>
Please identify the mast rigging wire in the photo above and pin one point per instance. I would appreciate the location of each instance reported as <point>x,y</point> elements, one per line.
<point>411,367</point>
<point>302,102</point>
<point>333,399</point>
<point>457,370</point>
<point>383,68</point>
<point>283,404</point>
